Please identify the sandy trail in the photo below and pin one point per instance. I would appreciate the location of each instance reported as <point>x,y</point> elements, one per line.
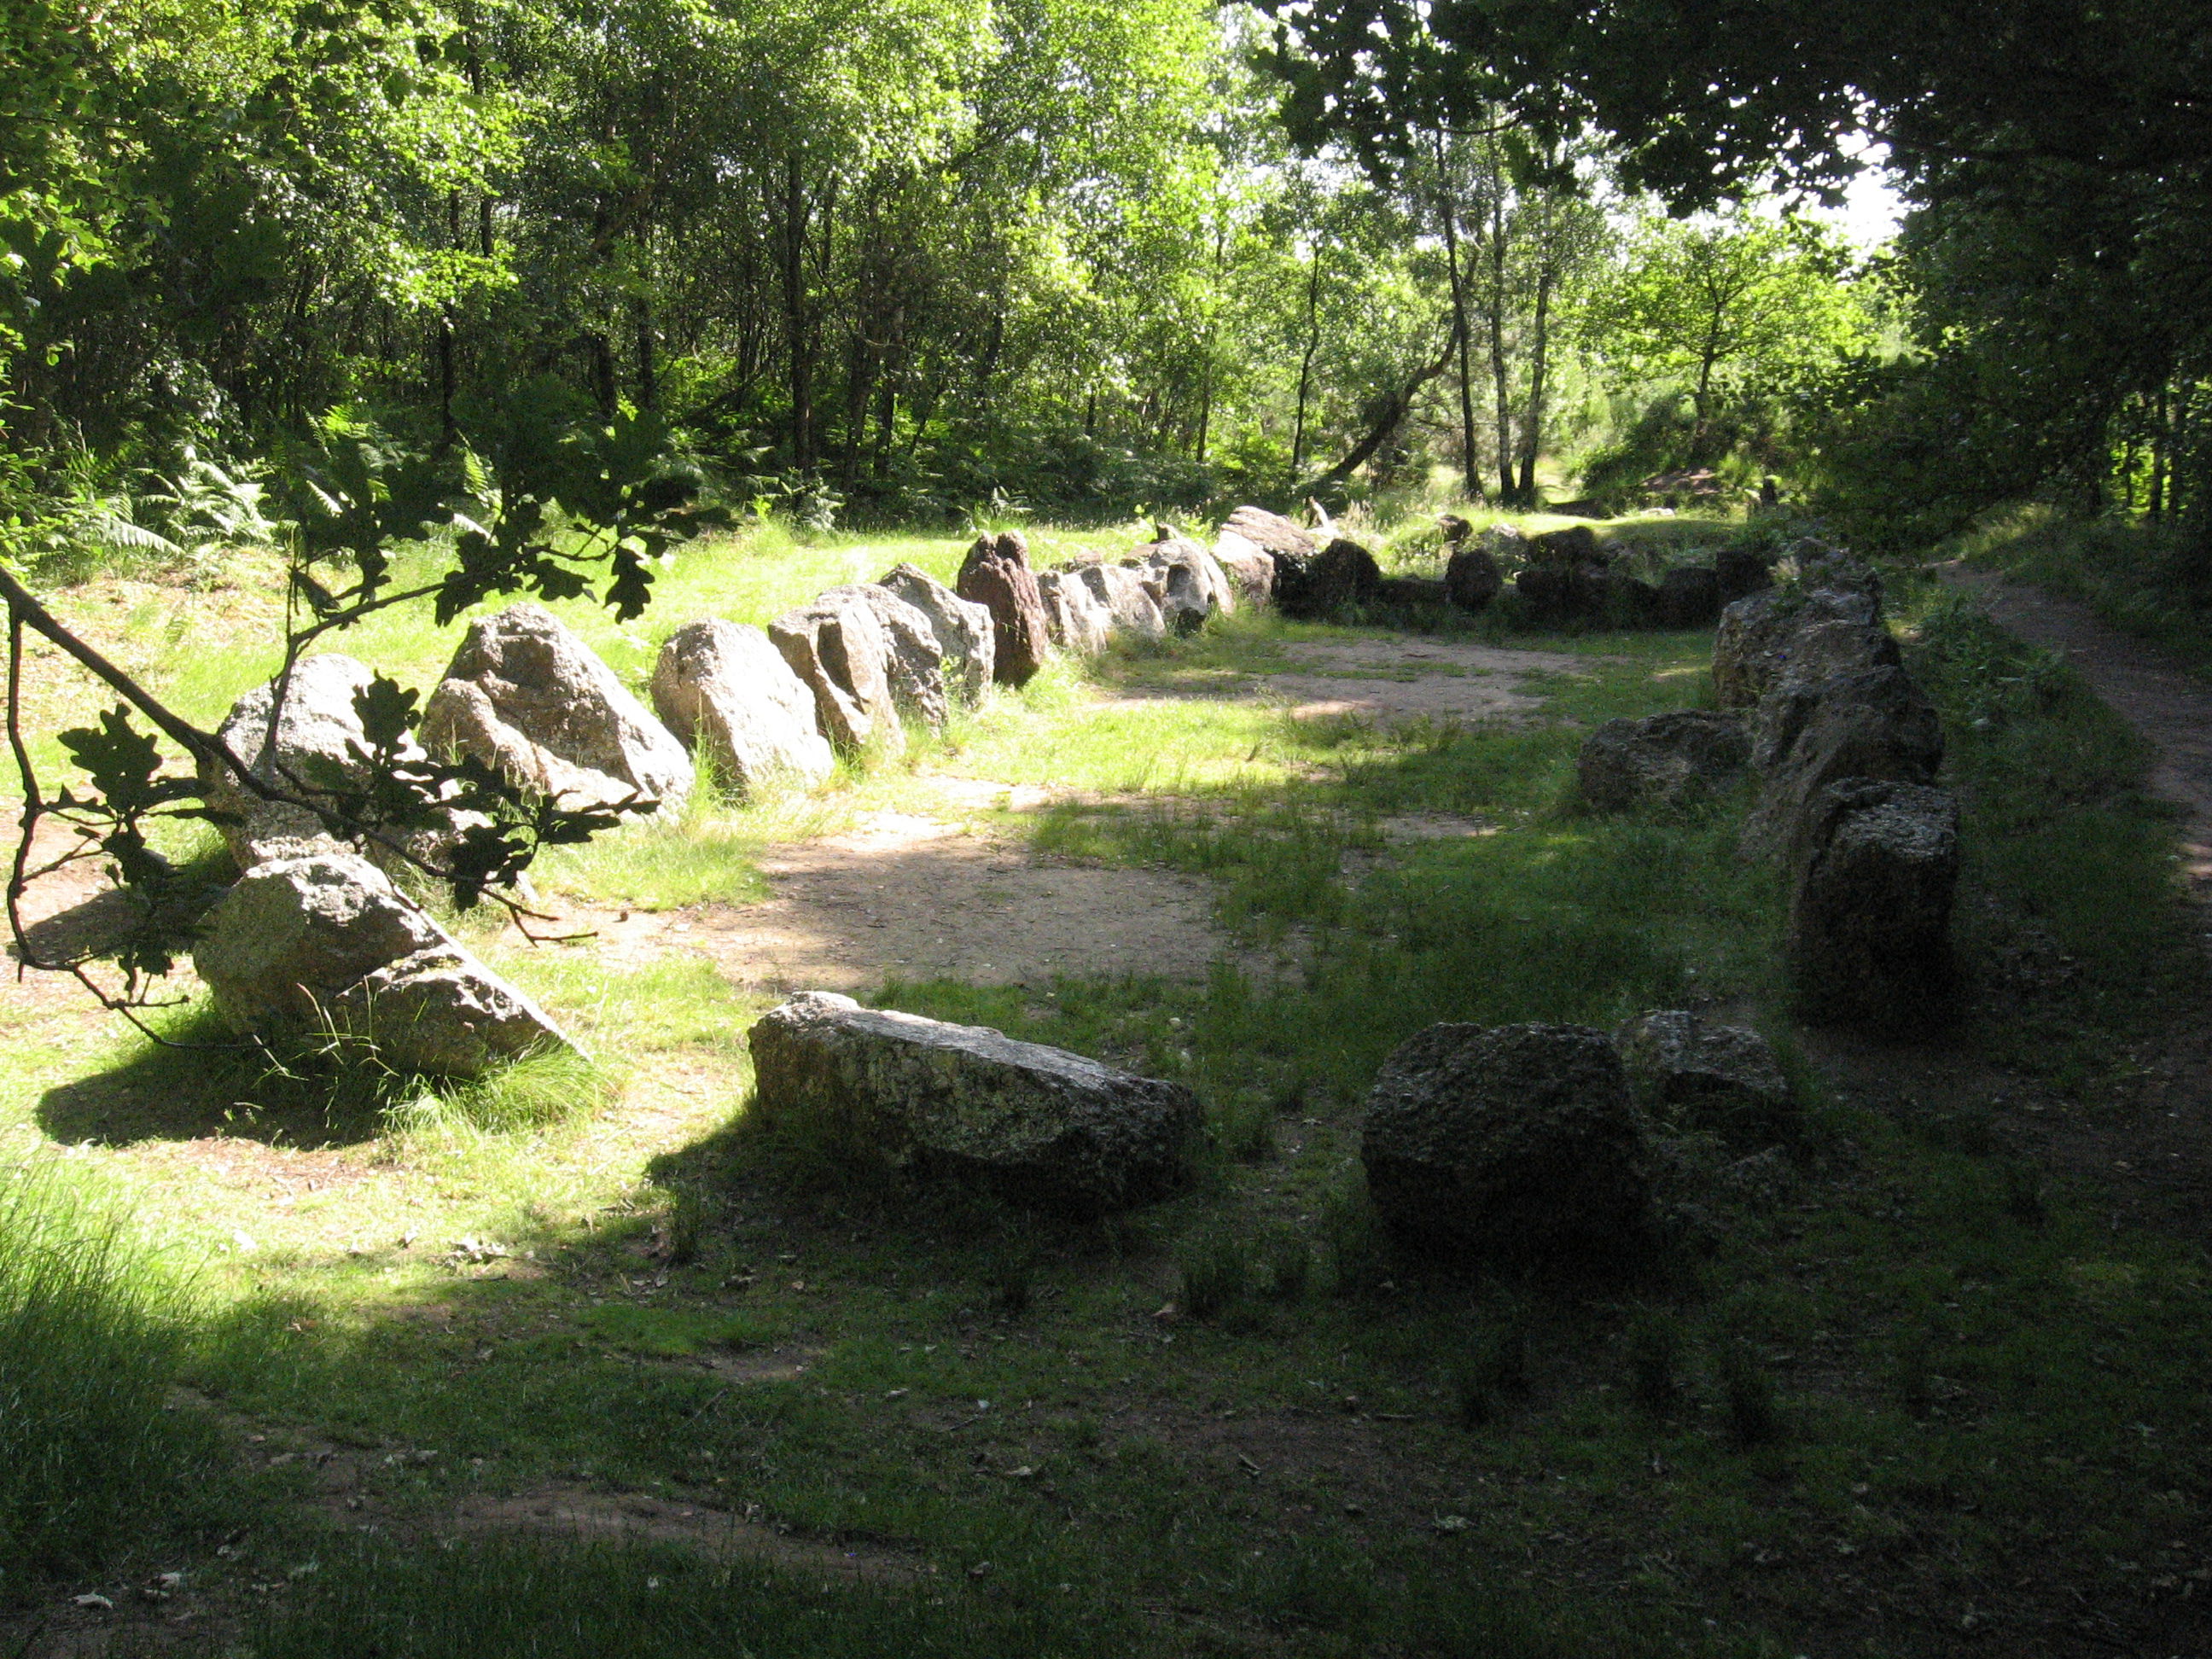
<point>1392,681</point>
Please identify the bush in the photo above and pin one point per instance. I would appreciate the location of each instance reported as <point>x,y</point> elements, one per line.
<point>90,1335</point>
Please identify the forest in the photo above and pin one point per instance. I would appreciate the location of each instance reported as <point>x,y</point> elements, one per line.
<point>1280,566</point>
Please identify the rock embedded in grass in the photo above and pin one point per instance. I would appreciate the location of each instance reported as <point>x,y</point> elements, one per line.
<point>996,575</point>
<point>308,946</point>
<point>963,630</point>
<point>839,649</point>
<point>1751,647</point>
<point>965,1105</point>
<point>460,719</point>
<point>724,687</point>
<point>1516,1144</point>
<point>1674,759</point>
<point>1872,888</point>
<point>1473,579</point>
<point>550,686</point>
<point>1693,1074</point>
<point>1076,618</point>
<point>1121,589</point>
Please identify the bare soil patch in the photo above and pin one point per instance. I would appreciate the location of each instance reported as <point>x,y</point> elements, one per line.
<point>1391,681</point>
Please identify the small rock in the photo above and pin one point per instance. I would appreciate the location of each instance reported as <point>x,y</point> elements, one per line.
<point>996,575</point>
<point>1674,759</point>
<point>724,687</point>
<point>963,630</point>
<point>966,1104</point>
<point>1693,1074</point>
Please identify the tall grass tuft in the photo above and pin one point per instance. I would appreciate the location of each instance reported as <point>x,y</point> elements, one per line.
<point>91,1331</point>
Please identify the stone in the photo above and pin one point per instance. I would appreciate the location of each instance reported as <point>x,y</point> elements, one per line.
<point>1249,566</point>
<point>459,719</point>
<point>321,742</point>
<point>1313,589</point>
<point>838,648</point>
<point>1271,532</point>
<point>1408,592</point>
<point>963,630</point>
<point>1674,759</point>
<point>1506,544</point>
<point>1871,896</point>
<point>1820,565</point>
<point>1192,585</point>
<point>1121,590</point>
<point>913,661</point>
<point>1079,621</point>
<point>996,575</point>
<point>1576,545</point>
<point>965,1105</point>
<point>1693,1075</point>
<point>723,687</point>
<point>1816,728</point>
<point>326,943</point>
<point>550,686</point>
<point>1518,1143</point>
<point>1471,578</point>
<point>1739,573</point>
<point>1752,644</point>
<point>1556,594</point>
<point>1452,530</point>
<point>1689,596</point>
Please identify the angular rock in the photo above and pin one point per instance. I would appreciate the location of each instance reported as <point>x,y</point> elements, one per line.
<point>1247,565</point>
<point>1692,1074</point>
<point>1821,565</point>
<point>1673,760</point>
<point>725,689</point>
<point>996,575</point>
<point>1078,618</point>
<point>459,719</point>
<point>965,1103</point>
<point>1739,574</point>
<point>326,943</point>
<point>1814,729</point>
<point>1121,588</point>
<point>1576,545</point>
<point>839,649</point>
<point>1471,578</point>
<point>1517,1142</point>
<point>1271,532</point>
<point>1752,641</point>
<point>963,630</point>
<point>1689,596</point>
<point>914,662</point>
<point>321,744</point>
<point>1192,585</point>
<point>1870,904</point>
<point>552,687</point>
<point>1311,589</point>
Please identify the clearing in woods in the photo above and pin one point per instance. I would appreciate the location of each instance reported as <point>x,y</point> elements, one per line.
<point>550,1350</point>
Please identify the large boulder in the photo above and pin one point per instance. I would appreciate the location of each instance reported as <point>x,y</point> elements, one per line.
<point>321,753</point>
<point>965,1103</point>
<point>1517,1142</point>
<point>1814,729</point>
<point>1271,532</point>
<point>1689,596</point>
<point>1121,588</point>
<point>1471,578</point>
<point>1316,588</point>
<point>963,630</point>
<point>1739,573</point>
<point>1752,645</point>
<point>1692,1074</point>
<point>725,689</point>
<point>840,650</point>
<point>326,943</point>
<point>914,660</point>
<point>1576,545</point>
<point>1191,584</point>
<point>1870,902</point>
<point>996,575</point>
<point>1249,567</point>
<point>460,719</point>
<point>1673,760</point>
<point>1078,619</point>
<point>550,686</point>
<point>1556,593</point>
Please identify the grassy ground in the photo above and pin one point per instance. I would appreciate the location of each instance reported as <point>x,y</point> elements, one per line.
<point>1913,1385</point>
<point>2154,583</point>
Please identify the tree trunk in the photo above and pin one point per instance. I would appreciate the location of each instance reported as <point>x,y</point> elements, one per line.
<point>1390,415</point>
<point>1306,362</point>
<point>649,366</point>
<point>1500,374</point>
<point>1448,207</point>
<point>2158,448</point>
<point>797,346</point>
<point>1539,343</point>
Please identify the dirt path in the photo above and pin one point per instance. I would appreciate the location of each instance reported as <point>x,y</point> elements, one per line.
<point>1389,681</point>
<point>2171,707</point>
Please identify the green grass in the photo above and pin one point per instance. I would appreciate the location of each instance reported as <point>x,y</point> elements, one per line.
<point>2154,581</point>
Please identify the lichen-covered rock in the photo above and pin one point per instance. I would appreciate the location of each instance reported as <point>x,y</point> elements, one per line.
<point>1819,565</point>
<point>1121,588</point>
<point>1190,585</point>
<point>996,575</point>
<point>840,651</point>
<point>1078,619</point>
<point>326,943</point>
<point>1815,728</point>
<point>914,660</point>
<point>1693,1074</point>
<point>1871,896</point>
<point>1270,531</point>
<point>459,719</point>
<point>1741,572</point>
<point>1311,589</point>
<point>1675,760</point>
<point>1247,565</point>
<point>965,1103</point>
<point>321,744</point>
<point>963,630</point>
<point>1752,645</point>
<point>1471,578</point>
<point>724,687</point>
<point>1515,1142</point>
<point>552,687</point>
